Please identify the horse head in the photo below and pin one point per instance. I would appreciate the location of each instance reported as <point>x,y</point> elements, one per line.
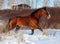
<point>45,13</point>
<point>42,12</point>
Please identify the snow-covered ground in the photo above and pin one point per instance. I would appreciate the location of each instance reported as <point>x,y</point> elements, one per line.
<point>23,37</point>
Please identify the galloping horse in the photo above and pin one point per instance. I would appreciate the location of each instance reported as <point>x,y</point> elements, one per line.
<point>31,21</point>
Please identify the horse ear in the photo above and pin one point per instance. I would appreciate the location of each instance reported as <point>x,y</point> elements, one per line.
<point>44,8</point>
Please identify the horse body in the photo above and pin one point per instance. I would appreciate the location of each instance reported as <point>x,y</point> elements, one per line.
<point>27,21</point>
<point>24,21</point>
<point>31,21</point>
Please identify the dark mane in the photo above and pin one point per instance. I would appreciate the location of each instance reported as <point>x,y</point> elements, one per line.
<point>38,10</point>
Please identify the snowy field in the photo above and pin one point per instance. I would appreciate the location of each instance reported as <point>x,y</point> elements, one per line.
<point>23,37</point>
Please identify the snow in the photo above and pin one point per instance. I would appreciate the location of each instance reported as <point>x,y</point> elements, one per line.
<point>23,37</point>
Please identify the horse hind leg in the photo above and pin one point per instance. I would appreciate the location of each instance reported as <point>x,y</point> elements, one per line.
<point>17,28</point>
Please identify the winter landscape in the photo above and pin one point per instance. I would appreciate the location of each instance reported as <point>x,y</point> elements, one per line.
<point>52,36</point>
<point>23,37</point>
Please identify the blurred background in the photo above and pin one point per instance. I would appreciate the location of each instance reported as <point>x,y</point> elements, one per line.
<point>6,4</point>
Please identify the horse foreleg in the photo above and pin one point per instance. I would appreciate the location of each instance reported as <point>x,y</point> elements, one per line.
<point>40,29</point>
<point>43,32</point>
<point>32,32</point>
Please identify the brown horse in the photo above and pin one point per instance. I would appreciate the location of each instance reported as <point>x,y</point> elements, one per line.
<point>31,21</point>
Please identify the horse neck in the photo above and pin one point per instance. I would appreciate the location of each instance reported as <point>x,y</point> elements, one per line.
<point>38,14</point>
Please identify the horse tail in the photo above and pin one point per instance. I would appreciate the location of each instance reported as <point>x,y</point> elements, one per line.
<point>12,23</point>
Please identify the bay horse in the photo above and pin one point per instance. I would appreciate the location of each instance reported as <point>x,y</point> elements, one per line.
<point>31,21</point>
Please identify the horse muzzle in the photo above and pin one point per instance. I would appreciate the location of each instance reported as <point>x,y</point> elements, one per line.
<point>49,16</point>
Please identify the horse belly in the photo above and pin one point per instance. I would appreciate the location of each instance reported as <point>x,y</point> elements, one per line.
<point>21,22</point>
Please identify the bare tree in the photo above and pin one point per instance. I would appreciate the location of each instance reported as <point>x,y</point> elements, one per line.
<point>57,3</point>
<point>45,2</point>
<point>1,3</point>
